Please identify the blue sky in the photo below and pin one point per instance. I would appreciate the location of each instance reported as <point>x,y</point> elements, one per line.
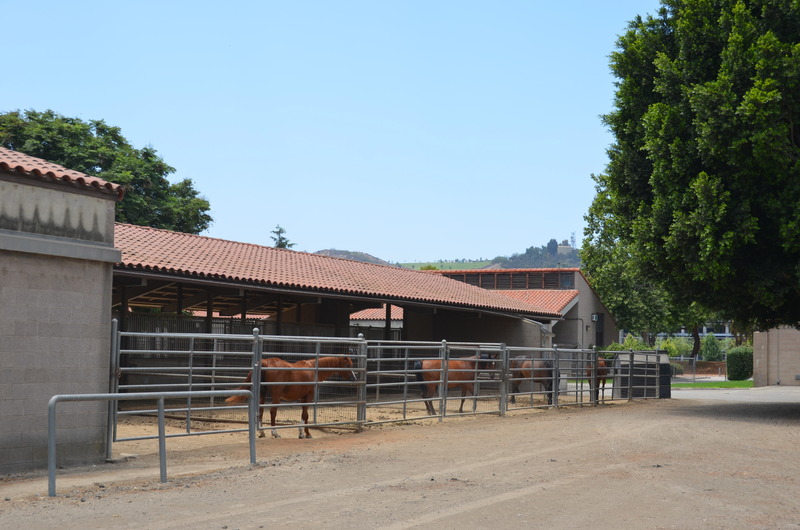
<point>410,130</point>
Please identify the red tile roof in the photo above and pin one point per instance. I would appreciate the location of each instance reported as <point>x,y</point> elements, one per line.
<point>32,167</point>
<point>496,271</point>
<point>187,255</point>
<point>377,313</point>
<point>553,300</point>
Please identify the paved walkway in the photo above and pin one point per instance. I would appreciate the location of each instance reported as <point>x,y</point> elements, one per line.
<point>762,394</point>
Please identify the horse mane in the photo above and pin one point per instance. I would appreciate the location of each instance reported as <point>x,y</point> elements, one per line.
<point>331,362</point>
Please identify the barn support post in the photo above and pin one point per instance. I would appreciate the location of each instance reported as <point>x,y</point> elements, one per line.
<point>210,311</point>
<point>387,325</point>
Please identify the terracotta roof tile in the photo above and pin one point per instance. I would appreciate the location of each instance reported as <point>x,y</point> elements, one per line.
<point>150,249</point>
<point>30,166</point>
<point>552,300</point>
<point>377,313</point>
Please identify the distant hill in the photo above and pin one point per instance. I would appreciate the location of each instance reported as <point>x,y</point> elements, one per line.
<point>355,256</point>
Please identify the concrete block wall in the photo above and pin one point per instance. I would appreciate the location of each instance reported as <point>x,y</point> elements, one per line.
<point>776,357</point>
<point>54,339</point>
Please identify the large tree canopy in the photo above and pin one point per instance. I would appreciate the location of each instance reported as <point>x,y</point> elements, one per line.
<point>101,151</point>
<point>702,191</point>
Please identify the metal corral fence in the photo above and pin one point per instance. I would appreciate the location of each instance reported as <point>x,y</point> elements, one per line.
<point>392,381</point>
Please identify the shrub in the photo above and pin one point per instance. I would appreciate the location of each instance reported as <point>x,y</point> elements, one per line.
<point>740,363</point>
<point>710,348</point>
<point>668,345</point>
<point>631,342</point>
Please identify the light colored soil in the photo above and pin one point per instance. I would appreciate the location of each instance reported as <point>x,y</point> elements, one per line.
<point>648,464</point>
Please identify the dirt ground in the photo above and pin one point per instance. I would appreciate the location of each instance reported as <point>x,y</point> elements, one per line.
<point>678,463</point>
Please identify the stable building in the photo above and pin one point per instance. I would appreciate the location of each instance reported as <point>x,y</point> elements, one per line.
<point>582,319</point>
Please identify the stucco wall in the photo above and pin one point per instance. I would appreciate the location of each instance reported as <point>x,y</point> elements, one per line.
<point>56,258</point>
<point>776,357</point>
<point>426,325</point>
<point>55,211</point>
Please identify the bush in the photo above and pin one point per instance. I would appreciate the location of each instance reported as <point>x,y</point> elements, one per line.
<point>631,342</point>
<point>676,346</point>
<point>740,363</point>
<point>710,348</point>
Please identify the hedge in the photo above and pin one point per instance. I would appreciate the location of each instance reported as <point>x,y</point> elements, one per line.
<point>740,363</point>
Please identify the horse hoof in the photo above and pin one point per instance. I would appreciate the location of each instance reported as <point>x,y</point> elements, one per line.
<point>275,434</point>
<point>261,434</point>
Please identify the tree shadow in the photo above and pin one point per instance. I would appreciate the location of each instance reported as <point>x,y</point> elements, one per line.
<point>745,412</point>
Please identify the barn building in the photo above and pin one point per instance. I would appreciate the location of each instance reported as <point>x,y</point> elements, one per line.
<point>583,322</point>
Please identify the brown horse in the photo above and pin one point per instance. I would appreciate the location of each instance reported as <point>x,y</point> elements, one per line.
<point>294,382</point>
<point>536,370</point>
<point>461,373</point>
<point>599,379</point>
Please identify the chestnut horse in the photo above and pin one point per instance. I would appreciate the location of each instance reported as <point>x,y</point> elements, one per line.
<point>599,379</point>
<point>462,372</point>
<point>536,370</point>
<point>294,382</point>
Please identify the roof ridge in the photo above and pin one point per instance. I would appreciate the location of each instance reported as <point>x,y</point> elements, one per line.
<point>269,247</point>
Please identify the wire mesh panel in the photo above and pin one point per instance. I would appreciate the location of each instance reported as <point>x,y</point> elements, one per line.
<point>532,378</point>
<point>349,382</point>
<point>323,373</point>
<point>175,362</point>
<point>474,378</point>
<point>395,378</point>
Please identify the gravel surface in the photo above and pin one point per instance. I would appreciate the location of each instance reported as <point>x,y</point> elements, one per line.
<point>730,460</point>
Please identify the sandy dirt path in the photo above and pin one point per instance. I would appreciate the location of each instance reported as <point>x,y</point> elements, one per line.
<point>677,463</point>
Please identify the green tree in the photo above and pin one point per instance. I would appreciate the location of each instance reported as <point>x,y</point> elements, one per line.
<point>100,150</point>
<point>279,239</point>
<point>702,190</point>
<point>710,348</point>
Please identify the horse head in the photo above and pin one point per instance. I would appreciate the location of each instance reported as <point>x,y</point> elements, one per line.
<point>485,360</point>
<point>346,363</point>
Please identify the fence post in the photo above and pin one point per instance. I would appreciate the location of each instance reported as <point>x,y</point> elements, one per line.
<point>594,384</point>
<point>255,401</point>
<point>112,383</point>
<point>444,354</point>
<point>361,414</point>
<point>503,379</point>
<point>162,441</point>
<point>630,376</point>
<point>556,375</point>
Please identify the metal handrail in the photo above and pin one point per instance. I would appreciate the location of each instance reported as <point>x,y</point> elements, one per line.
<point>162,445</point>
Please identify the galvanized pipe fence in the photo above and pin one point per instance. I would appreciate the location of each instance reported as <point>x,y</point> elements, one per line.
<point>162,436</point>
<point>465,378</point>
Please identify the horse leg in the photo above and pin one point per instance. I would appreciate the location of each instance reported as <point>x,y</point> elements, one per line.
<point>273,413</point>
<point>427,395</point>
<point>304,423</point>
<point>261,415</point>
<point>463,399</point>
<point>514,390</point>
